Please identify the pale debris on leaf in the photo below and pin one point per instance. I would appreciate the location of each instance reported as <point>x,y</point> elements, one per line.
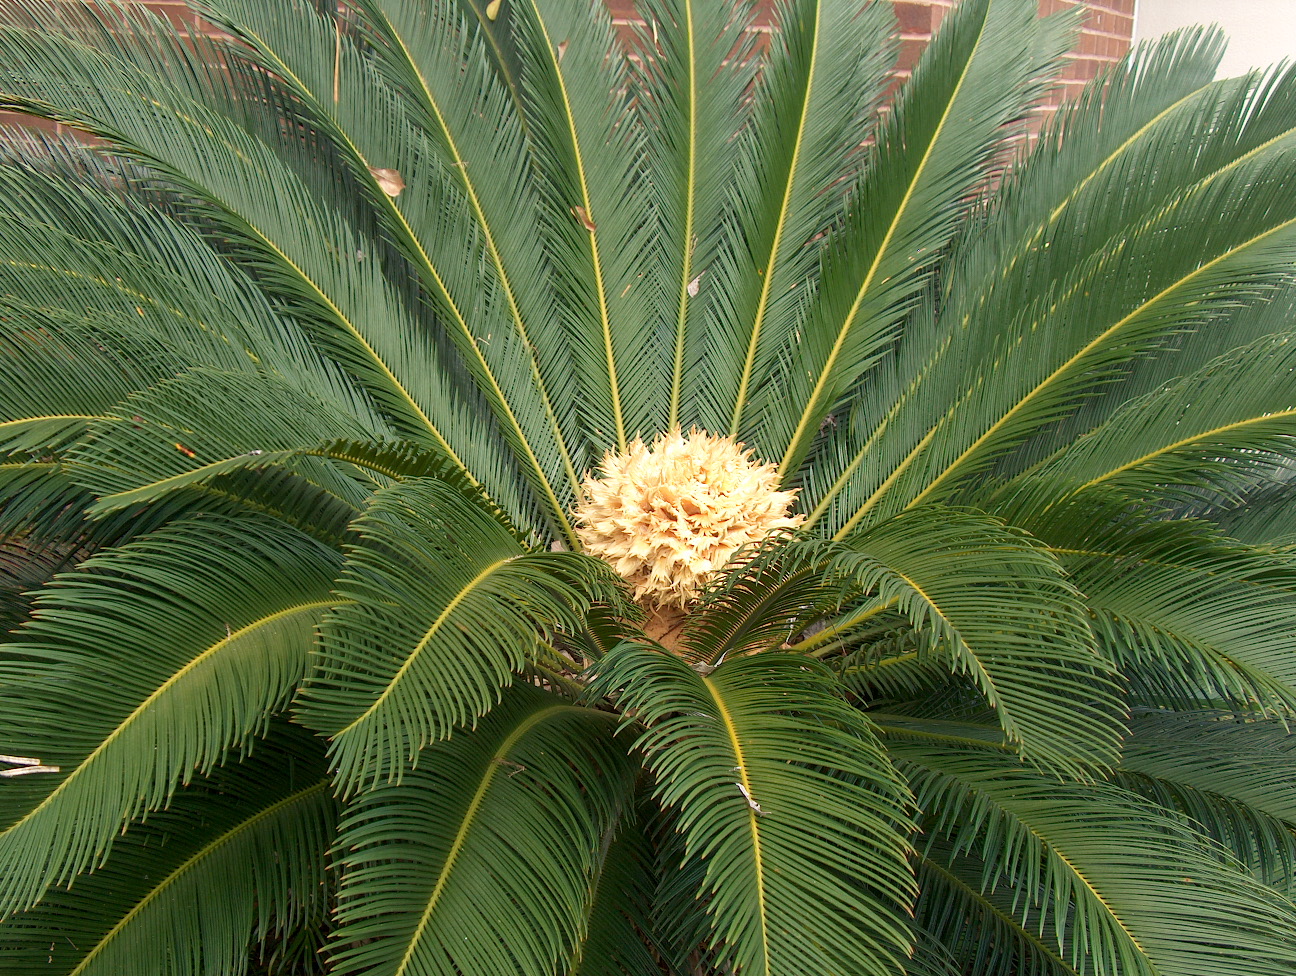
<point>26,766</point>
<point>389,180</point>
<point>581,214</point>
<point>493,9</point>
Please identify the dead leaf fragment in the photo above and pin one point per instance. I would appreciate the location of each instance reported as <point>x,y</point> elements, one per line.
<point>389,180</point>
<point>694,286</point>
<point>562,49</point>
<point>583,216</point>
<point>492,9</point>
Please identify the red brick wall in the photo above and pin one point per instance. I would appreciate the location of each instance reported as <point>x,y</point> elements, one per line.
<point>1109,24</point>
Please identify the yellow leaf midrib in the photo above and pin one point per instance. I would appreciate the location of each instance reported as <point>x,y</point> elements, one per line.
<point>493,767</point>
<point>440,621</point>
<point>690,179</point>
<point>808,414</point>
<point>189,864</point>
<point>600,286</point>
<point>457,314</point>
<point>155,695</point>
<point>758,860</point>
<point>1090,346</point>
<point>749,364</point>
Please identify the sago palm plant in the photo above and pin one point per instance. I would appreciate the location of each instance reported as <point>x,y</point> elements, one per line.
<point>483,500</point>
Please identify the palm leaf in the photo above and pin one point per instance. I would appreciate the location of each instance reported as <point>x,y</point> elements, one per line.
<point>696,67</point>
<point>618,911</point>
<point>999,604</point>
<point>141,668</point>
<point>1263,517</point>
<point>1187,615</point>
<point>1217,428</point>
<point>1229,774</point>
<point>984,930</point>
<point>597,220</point>
<point>782,791</point>
<point>444,606</point>
<point>290,224</point>
<point>438,145</point>
<point>1048,348</point>
<point>481,860</point>
<point>1121,886</point>
<point>972,82</point>
<point>816,101</point>
<point>236,859</point>
<point>1065,341</point>
<point>205,423</point>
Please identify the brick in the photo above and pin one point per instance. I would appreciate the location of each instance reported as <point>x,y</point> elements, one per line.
<point>914,18</point>
<point>27,122</point>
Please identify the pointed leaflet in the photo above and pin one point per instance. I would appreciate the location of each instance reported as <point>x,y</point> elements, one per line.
<point>480,861</point>
<point>944,130</point>
<point>264,192</point>
<point>815,103</point>
<point>1000,603</point>
<point>1218,428</point>
<point>81,239</point>
<point>1181,268</point>
<point>141,668</point>
<point>444,606</point>
<point>1265,517</point>
<point>696,66</point>
<point>449,132</point>
<point>236,859</point>
<point>597,216</point>
<point>1117,883</point>
<point>783,792</point>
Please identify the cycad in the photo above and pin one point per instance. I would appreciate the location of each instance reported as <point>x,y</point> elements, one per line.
<point>307,358</point>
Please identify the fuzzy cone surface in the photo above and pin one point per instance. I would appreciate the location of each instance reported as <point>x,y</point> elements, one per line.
<point>372,381</point>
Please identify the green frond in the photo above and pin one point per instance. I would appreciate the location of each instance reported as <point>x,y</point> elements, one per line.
<point>1263,516</point>
<point>782,791</point>
<point>597,216</point>
<point>1229,774</point>
<point>972,84</point>
<point>444,125</point>
<point>140,669</point>
<point>979,929</point>
<point>816,101</point>
<point>443,606</point>
<point>1218,428</point>
<point>1031,328</point>
<point>236,859</point>
<point>203,423</point>
<point>1000,605</point>
<point>696,67</point>
<point>765,598</point>
<point>155,99</point>
<point>1189,617</point>
<point>617,920</point>
<point>1158,290</point>
<point>1117,885</point>
<point>482,860</point>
